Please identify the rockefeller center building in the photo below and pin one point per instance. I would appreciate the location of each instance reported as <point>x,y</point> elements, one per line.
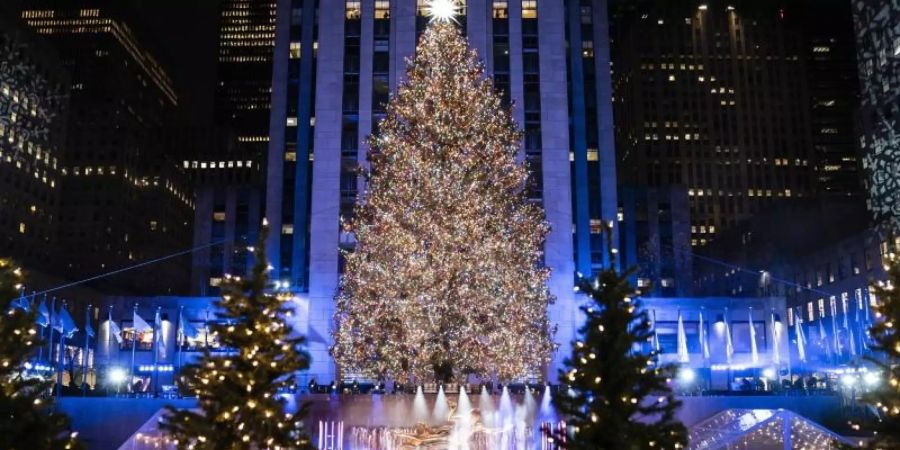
<point>335,65</point>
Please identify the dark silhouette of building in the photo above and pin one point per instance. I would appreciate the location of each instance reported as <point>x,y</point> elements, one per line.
<point>655,239</point>
<point>747,103</point>
<point>123,200</point>
<point>228,170</point>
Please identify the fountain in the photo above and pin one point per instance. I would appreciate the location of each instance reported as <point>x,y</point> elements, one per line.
<point>453,422</point>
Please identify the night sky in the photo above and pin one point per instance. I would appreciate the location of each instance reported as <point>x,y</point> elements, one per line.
<point>183,35</point>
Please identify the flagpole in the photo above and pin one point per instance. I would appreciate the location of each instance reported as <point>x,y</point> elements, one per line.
<point>50,343</point>
<point>156,336</point>
<point>84,355</point>
<point>41,350</point>
<point>133,346</point>
<point>179,338</point>
<point>59,355</point>
<point>108,336</point>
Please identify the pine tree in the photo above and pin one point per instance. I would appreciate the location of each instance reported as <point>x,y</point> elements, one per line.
<point>446,278</point>
<point>618,399</point>
<point>887,397</point>
<point>237,391</point>
<point>27,417</point>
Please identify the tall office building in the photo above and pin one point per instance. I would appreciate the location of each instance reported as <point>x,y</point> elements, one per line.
<point>34,102</point>
<point>335,64</point>
<point>878,56</point>
<point>228,164</point>
<point>745,102</point>
<point>830,63</point>
<point>123,199</point>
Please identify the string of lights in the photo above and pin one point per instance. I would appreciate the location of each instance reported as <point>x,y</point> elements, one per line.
<point>131,267</point>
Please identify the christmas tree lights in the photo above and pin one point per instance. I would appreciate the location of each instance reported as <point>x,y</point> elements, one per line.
<point>446,279</point>
<point>237,392</point>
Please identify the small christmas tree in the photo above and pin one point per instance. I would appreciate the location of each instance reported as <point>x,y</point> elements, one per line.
<point>617,398</point>
<point>27,419</point>
<point>237,391</point>
<point>887,341</point>
<point>446,279</point>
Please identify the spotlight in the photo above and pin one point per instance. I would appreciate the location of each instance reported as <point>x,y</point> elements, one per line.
<point>848,380</point>
<point>117,375</point>
<point>687,375</point>
<point>768,373</point>
<point>871,378</point>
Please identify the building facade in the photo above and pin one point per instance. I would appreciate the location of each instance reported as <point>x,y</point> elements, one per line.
<point>878,56</point>
<point>228,167</point>
<point>336,63</point>
<point>655,239</point>
<point>120,101</point>
<point>747,103</point>
<point>33,113</point>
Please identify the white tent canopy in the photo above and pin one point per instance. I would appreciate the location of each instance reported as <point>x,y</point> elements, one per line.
<point>762,429</point>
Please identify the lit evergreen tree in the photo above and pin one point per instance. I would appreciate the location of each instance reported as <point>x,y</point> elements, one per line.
<point>28,420</point>
<point>887,341</point>
<point>618,399</point>
<point>237,391</point>
<point>446,278</point>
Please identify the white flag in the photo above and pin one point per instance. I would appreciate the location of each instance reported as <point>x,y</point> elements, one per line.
<point>704,340</point>
<point>141,325</point>
<point>158,336</point>
<point>729,347</point>
<point>776,341</point>
<point>801,340</point>
<point>683,356</point>
<point>114,329</point>
<point>754,352</point>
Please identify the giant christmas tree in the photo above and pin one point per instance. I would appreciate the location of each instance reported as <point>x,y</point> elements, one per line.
<point>446,278</point>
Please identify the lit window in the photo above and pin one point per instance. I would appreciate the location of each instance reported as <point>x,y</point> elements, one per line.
<point>22,227</point>
<point>153,225</point>
<point>592,154</point>
<point>529,9</point>
<point>288,156</point>
<point>215,281</point>
<point>295,50</point>
<point>287,228</point>
<point>501,9</point>
<point>219,216</point>
<point>292,121</point>
<point>352,9</point>
<point>382,9</point>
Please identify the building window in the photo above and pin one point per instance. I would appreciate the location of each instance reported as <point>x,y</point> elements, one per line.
<point>529,9</point>
<point>295,50</point>
<point>382,9</point>
<point>219,216</point>
<point>501,9</point>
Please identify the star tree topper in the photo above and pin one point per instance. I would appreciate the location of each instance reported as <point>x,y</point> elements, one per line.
<point>443,10</point>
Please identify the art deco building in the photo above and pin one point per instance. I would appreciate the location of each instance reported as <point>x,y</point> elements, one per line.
<point>228,166</point>
<point>33,113</point>
<point>878,55</point>
<point>336,63</point>
<point>748,103</point>
<point>123,200</point>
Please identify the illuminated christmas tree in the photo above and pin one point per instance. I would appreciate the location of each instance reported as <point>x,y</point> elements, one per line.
<point>27,417</point>
<point>237,391</point>
<point>887,397</point>
<point>617,398</point>
<point>446,279</point>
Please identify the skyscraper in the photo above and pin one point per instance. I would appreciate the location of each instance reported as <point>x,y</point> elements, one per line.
<point>878,56</point>
<point>746,103</point>
<point>123,199</point>
<point>33,112</point>
<point>335,64</point>
<point>244,73</point>
<point>229,165</point>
